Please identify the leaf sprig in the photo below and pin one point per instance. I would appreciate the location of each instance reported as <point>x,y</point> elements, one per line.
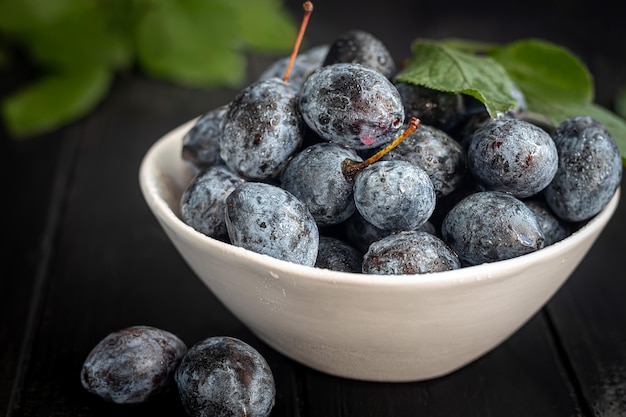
<point>79,47</point>
<point>554,82</point>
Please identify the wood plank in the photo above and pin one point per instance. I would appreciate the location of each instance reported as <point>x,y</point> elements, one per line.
<point>589,313</point>
<point>521,377</point>
<point>37,172</point>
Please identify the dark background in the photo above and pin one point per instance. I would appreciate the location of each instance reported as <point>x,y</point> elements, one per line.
<point>84,256</point>
<point>592,30</point>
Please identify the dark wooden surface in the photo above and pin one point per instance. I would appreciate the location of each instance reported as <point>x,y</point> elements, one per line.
<point>84,256</point>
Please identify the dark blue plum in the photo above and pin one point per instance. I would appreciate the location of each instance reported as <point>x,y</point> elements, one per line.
<point>437,153</point>
<point>521,107</point>
<point>394,195</point>
<point>262,129</point>
<point>554,228</point>
<point>266,219</point>
<point>409,252</point>
<point>490,226</point>
<point>475,114</point>
<point>352,105</point>
<point>305,63</point>
<point>361,234</point>
<point>132,365</point>
<point>315,177</point>
<point>434,108</point>
<point>589,169</point>
<point>225,377</point>
<point>465,128</point>
<point>337,255</point>
<point>203,202</point>
<point>201,144</point>
<point>361,47</point>
<point>512,155</point>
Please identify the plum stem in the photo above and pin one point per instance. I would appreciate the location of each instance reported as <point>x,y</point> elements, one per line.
<point>308,9</point>
<point>351,168</point>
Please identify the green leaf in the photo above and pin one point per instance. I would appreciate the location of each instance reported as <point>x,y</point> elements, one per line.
<point>192,42</point>
<point>55,100</point>
<point>542,69</point>
<point>80,37</point>
<point>468,45</point>
<point>555,83</point>
<point>265,25</point>
<point>440,67</point>
<point>19,15</point>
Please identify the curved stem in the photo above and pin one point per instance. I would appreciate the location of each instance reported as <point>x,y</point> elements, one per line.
<point>351,168</point>
<point>308,9</point>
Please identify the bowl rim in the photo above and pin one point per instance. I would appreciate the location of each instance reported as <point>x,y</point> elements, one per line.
<point>149,173</point>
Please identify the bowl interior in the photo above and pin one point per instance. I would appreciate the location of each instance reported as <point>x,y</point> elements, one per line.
<point>164,176</point>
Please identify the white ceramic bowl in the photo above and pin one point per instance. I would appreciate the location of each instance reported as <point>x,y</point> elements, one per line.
<point>368,327</point>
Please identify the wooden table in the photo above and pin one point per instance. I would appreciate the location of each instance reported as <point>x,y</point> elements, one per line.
<point>86,257</point>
